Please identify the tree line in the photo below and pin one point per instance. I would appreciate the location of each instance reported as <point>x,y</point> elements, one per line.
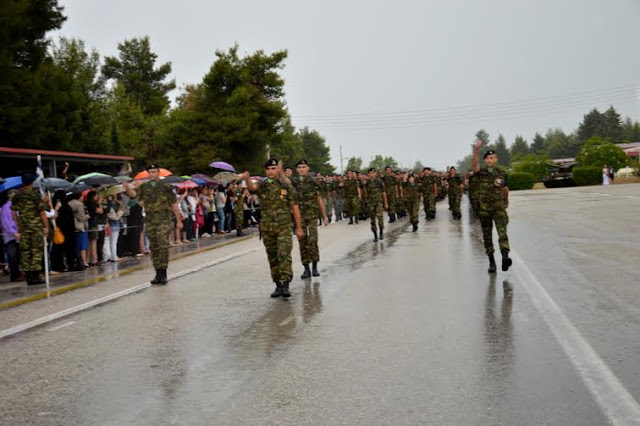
<point>63,96</point>
<point>591,144</point>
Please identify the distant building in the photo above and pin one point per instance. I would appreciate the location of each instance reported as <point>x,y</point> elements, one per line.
<point>631,149</point>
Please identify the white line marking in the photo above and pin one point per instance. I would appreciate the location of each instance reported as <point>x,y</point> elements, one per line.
<point>66,324</point>
<point>611,195</point>
<point>286,321</point>
<point>610,394</point>
<point>48,318</point>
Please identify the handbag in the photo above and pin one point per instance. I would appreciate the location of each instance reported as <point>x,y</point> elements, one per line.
<point>58,236</point>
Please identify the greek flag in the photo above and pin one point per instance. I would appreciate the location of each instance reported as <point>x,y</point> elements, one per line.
<point>39,171</point>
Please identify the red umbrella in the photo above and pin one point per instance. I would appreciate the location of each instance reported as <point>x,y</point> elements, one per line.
<point>145,174</point>
<point>187,184</point>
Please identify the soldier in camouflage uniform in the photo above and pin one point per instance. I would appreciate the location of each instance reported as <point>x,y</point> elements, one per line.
<point>29,211</point>
<point>473,193</point>
<point>238,208</point>
<point>401,202</point>
<point>278,204</point>
<point>377,203</point>
<point>310,202</point>
<point>352,196</point>
<point>339,191</point>
<point>412,191</point>
<point>429,193</point>
<point>456,188</point>
<point>331,196</point>
<point>159,203</point>
<point>493,201</point>
<point>391,189</point>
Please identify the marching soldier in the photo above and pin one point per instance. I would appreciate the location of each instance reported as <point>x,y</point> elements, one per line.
<point>310,202</point>
<point>29,212</point>
<point>473,193</point>
<point>412,191</point>
<point>278,204</point>
<point>352,196</point>
<point>377,202</point>
<point>159,203</point>
<point>238,208</point>
<point>493,201</point>
<point>456,188</point>
<point>429,193</point>
<point>339,194</point>
<point>391,189</point>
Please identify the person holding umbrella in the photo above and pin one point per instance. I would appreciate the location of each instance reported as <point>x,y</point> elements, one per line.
<point>30,213</point>
<point>159,203</point>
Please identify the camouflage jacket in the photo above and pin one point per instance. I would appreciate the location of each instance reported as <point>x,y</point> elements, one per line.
<point>454,185</point>
<point>29,204</point>
<point>276,200</point>
<point>490,181</point>
<point>375,187</point>
<point>412,190</point>
<point>351,188</point>
<point>307,191</point>
<point>158,198</point>
<point>427,184</point>
<point>390,184</point>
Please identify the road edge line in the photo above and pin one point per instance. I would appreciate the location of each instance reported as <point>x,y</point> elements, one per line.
<point>102,300</point>
<point>612,397</point>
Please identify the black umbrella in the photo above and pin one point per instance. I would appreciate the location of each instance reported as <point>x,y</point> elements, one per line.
<point>52,184</point>
<point>100,180</point>
<point>78,187</point>
<point>173,179</point>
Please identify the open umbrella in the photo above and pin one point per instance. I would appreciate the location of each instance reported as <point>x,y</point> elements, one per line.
<point>226,177</point>
<point>145,174</point>
<point>173,179</point>
<point>96,181</point>
<point>87,176</point>
<point>1,180</point>
<point>52,184</point>
<point>78,187</point>
<point>204,178</point>
<point>187,184</point>
<point>222,166</point>
<point>200,182</point>
<point>11,183</point>
<point>112,190</point>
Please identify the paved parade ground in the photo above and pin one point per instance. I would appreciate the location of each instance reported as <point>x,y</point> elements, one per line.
<point>410,330</point>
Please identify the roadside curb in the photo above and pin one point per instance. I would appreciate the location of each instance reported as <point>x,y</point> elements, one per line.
<point>107,277</point>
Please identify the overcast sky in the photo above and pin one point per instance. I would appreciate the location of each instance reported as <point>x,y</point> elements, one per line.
<point>410,79</point>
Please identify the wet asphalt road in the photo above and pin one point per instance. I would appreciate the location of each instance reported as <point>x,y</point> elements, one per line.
<point>408,331</point>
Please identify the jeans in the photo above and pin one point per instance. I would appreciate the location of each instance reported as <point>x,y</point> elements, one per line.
<point>221,218</point>
<point>12,249</point>
<point>113,240</point>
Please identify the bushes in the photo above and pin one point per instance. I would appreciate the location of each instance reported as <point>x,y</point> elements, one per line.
<point>518,180</point>
<point>587,175</point>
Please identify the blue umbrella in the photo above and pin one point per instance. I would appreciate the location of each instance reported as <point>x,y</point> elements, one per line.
<point>11,183</point>
<point>53,184</point>
<point>222,166</point>
<point>199,181</point>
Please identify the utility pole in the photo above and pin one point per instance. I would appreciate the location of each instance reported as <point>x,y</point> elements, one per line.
<point>341,170</point>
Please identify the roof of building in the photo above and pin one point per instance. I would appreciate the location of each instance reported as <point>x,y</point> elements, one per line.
<point>62,155</point>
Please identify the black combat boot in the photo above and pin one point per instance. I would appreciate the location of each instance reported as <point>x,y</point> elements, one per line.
<point>375,236</point>
<point>157,278</point>
<point>492,264</point>
<point>415,227</point>
<point>351,220</point>
<point>315,269</point>
<point>356,220</point>
<point>392,218</point>
<point>307,272</point>
<point>285,290</point>
<point>163,277</point>
<point>35,278</point>
<point>27,277</point>
<point>381,234</point>
<point>239,233</point>
<point>278,291</point>
<point>506,261</point>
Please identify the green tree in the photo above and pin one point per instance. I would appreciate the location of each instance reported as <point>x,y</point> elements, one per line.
<point>135,69</point>
<point>354,163</point>
<point>631,131</point>
<point>598,151</point>
<point>379,162</point>
<point>501,149</point>
<point>560,145</point>
<point>24,98</point>
<point>538,144</point>
<point>316,151</point>
<point>417,166</point>
<point>289,148</point>
<point>592,125</point>
<point>535,164</point>
<point>464,165</point>
<point>519,148</point>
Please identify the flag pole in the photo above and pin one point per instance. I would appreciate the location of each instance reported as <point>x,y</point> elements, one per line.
<point>40,174</point>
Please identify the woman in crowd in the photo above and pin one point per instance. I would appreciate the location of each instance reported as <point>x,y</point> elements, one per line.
<point>221,201</point>
<point>207,204</point>
<point>606,179</point>
<point>10,239</point>
<point>63,256</point>
<point>97,222</point>
<point>115,211</point>
<point>81,225</point>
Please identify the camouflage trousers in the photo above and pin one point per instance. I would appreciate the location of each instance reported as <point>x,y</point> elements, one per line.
<point>429,203</point>
<point>454,202</point>
<point>401,205</point>
<point>413,207</point>
<point>158,232</point>
<point>278,245</point>
<point>353,206</point>
<point>239,217</point>
<point>328,206</point>
<point>309,243</point>
<point>339,207</point>
<point>501,219</point>
<point>375,213</point>
<point>31,251</point>
<point>392,201</point>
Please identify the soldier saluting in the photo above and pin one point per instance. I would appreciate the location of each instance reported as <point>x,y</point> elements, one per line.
<point>159,203</point>
<point>493,201</point>
<point>311,204</point>
<point>278,202</point>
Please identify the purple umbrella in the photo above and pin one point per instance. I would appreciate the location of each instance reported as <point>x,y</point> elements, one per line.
<point>222,166</point>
